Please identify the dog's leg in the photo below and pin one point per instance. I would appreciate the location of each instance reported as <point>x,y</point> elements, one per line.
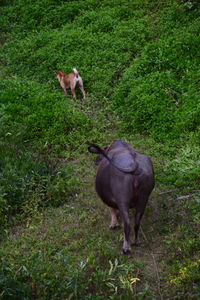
<point>82,90</point>
<point>72,87</point>
<point>64,88</point>
<point>80,83</point>
<point>65,91</point>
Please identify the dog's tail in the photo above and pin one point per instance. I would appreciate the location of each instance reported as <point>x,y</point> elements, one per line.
<point>75,72</point>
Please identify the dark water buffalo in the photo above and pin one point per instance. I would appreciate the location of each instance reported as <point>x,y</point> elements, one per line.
<point>125,179</point>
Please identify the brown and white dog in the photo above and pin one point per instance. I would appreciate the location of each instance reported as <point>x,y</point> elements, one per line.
<point>70,81</point>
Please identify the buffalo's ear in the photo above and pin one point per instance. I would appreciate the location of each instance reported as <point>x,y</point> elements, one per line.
<point>93,149</point>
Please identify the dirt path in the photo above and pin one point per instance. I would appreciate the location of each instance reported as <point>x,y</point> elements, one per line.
<point>149,252</point>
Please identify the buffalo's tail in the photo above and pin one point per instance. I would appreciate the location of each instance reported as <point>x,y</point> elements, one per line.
<point>97,150</point>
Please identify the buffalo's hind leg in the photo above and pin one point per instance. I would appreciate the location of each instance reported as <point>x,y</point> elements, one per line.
<point>138,217</point>
<point>140,208</point>
<point>126,223</point>
<point>114,218</point>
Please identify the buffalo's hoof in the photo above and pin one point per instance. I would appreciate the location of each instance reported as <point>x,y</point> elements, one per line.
<point>136,243</point>
<point>126,251</point>
<point>114,226</point>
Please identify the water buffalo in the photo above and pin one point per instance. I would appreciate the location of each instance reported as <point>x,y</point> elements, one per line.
<point>125,179</point>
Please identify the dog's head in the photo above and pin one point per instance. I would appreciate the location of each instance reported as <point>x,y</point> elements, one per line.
<point>59,74</point>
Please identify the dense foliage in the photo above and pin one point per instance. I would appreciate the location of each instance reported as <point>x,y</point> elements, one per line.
<point>140,67</point>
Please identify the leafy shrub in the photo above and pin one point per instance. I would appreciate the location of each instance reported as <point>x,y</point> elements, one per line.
<point>102,50</point>
<point>25,16</point>
<point>184,167</point>
<point>156,94</point>
<point>30,112</point>
<point>36,124</point>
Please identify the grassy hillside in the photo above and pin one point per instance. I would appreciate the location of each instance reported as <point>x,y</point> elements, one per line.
<point>140,68</point>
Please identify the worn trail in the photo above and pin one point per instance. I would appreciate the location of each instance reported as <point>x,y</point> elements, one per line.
<point>149,252</point>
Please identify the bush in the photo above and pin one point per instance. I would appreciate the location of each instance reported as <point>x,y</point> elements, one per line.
<point>159,93</point>
<point>35,125</point>
<point>30,113</point>
<point>102,50</point>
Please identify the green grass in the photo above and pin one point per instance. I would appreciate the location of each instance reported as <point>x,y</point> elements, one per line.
<point>140,68</point>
